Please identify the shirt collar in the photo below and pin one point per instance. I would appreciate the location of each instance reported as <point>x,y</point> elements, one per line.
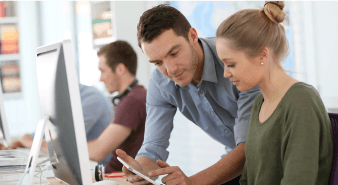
<point>209,71</point>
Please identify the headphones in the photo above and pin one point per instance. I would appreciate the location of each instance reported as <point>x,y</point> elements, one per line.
<point>116,99</point>
<point>99,171</point>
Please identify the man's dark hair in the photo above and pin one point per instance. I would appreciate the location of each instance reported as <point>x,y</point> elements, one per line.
<point>119,52</point>
<point>159,19</point>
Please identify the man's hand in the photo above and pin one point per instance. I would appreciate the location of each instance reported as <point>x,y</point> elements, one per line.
<point>26,141</point>
<point>174,174</point>
<point>17,144</point>
<point>135,179</point>
<point>2,147</point>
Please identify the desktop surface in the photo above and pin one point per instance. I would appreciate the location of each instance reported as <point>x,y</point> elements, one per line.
<point>116,177</point>
<point>49,175</point>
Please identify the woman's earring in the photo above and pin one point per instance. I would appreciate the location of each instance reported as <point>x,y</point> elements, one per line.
<point>262,63</point>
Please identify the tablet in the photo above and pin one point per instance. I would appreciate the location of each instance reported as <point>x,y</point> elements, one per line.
<point>137,172</point>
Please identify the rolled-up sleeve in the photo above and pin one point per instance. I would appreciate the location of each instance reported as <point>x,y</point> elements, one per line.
<point>158,126</point>
<point>244,103</point>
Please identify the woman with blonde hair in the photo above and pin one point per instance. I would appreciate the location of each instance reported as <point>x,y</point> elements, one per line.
<point>290,138</point>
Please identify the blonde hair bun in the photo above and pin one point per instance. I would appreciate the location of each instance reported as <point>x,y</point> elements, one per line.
<point>274,11</point>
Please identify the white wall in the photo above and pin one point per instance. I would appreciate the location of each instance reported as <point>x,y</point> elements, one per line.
<point>325,29</point>
<point>55,21</point>
<point>127,17</point>
<point>23,111</point>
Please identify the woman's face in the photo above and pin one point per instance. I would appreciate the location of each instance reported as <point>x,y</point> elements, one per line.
<point>244,72</point>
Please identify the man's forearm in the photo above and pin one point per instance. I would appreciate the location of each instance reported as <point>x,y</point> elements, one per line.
<point>93,150</point>
<point>229,167</point>
<point>112,137</point>
<point>147,164</point>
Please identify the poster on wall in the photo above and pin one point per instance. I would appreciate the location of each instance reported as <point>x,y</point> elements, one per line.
<point>10,78</point>
<point>206,16</point>
<point>103,22</point>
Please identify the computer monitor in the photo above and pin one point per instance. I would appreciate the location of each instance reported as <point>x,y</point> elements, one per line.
<point>60,100</point>
<point>3,121</point>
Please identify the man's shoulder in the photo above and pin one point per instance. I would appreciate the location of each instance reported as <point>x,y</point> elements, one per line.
<point>89,92</point>
<point>209,40</point>
<point>161,88</point>
<point>134,100</point>
<point>211,43</point>
<point>138,92</point>
<point>160,79</point>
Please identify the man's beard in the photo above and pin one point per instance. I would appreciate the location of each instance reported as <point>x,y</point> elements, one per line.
<point>194,58</point>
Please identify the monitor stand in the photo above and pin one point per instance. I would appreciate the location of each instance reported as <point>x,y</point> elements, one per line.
<point>2,139</point>
<point>35,149</point>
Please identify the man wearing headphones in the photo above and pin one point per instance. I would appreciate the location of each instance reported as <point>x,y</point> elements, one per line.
<point>96,115</point>
<point>118,64</point>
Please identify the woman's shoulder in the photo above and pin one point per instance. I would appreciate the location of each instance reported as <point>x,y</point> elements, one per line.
<point>301,92</point>
<point>303,98</point>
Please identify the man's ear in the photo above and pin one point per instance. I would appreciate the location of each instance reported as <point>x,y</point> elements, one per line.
<point>193,36</point>
<point>120,69</point>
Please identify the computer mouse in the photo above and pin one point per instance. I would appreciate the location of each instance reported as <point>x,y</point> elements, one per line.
<point>106,182</point>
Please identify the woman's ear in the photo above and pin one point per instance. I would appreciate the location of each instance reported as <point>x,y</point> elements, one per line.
<point>264,54</point>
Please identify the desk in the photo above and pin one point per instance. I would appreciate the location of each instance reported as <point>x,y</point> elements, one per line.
<point>12,177</point>
<point>120,180</point>
<point>118,177</point>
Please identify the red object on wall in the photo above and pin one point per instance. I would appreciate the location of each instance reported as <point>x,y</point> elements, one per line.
<point>3,6</point>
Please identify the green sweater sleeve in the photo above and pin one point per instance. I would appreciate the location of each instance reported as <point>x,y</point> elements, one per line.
<point>243,179</point>
<point>301,147</point>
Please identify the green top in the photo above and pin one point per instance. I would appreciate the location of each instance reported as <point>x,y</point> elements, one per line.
<point>294,145</point>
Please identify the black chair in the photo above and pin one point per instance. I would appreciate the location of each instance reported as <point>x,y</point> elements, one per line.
<point>334,169</point>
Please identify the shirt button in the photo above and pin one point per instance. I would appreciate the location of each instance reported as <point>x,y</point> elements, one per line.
<point>201,94</point>
<point>212,113</point>
<point>226,131</point>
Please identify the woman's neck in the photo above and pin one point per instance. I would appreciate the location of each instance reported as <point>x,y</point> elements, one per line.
<point>275,84</point>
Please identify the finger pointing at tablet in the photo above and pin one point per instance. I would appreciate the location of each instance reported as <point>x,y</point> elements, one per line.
<point>174,174</point>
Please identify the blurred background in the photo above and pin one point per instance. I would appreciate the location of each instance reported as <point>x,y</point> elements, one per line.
<point>311,28</point>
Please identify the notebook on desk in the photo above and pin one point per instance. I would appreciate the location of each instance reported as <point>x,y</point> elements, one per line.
<point>17,157</point>
<point>13,164</point>
<point>13,158</point>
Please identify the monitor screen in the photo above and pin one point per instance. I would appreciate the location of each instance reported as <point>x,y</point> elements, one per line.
<point>60,100</point>
<point>3,121</point>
